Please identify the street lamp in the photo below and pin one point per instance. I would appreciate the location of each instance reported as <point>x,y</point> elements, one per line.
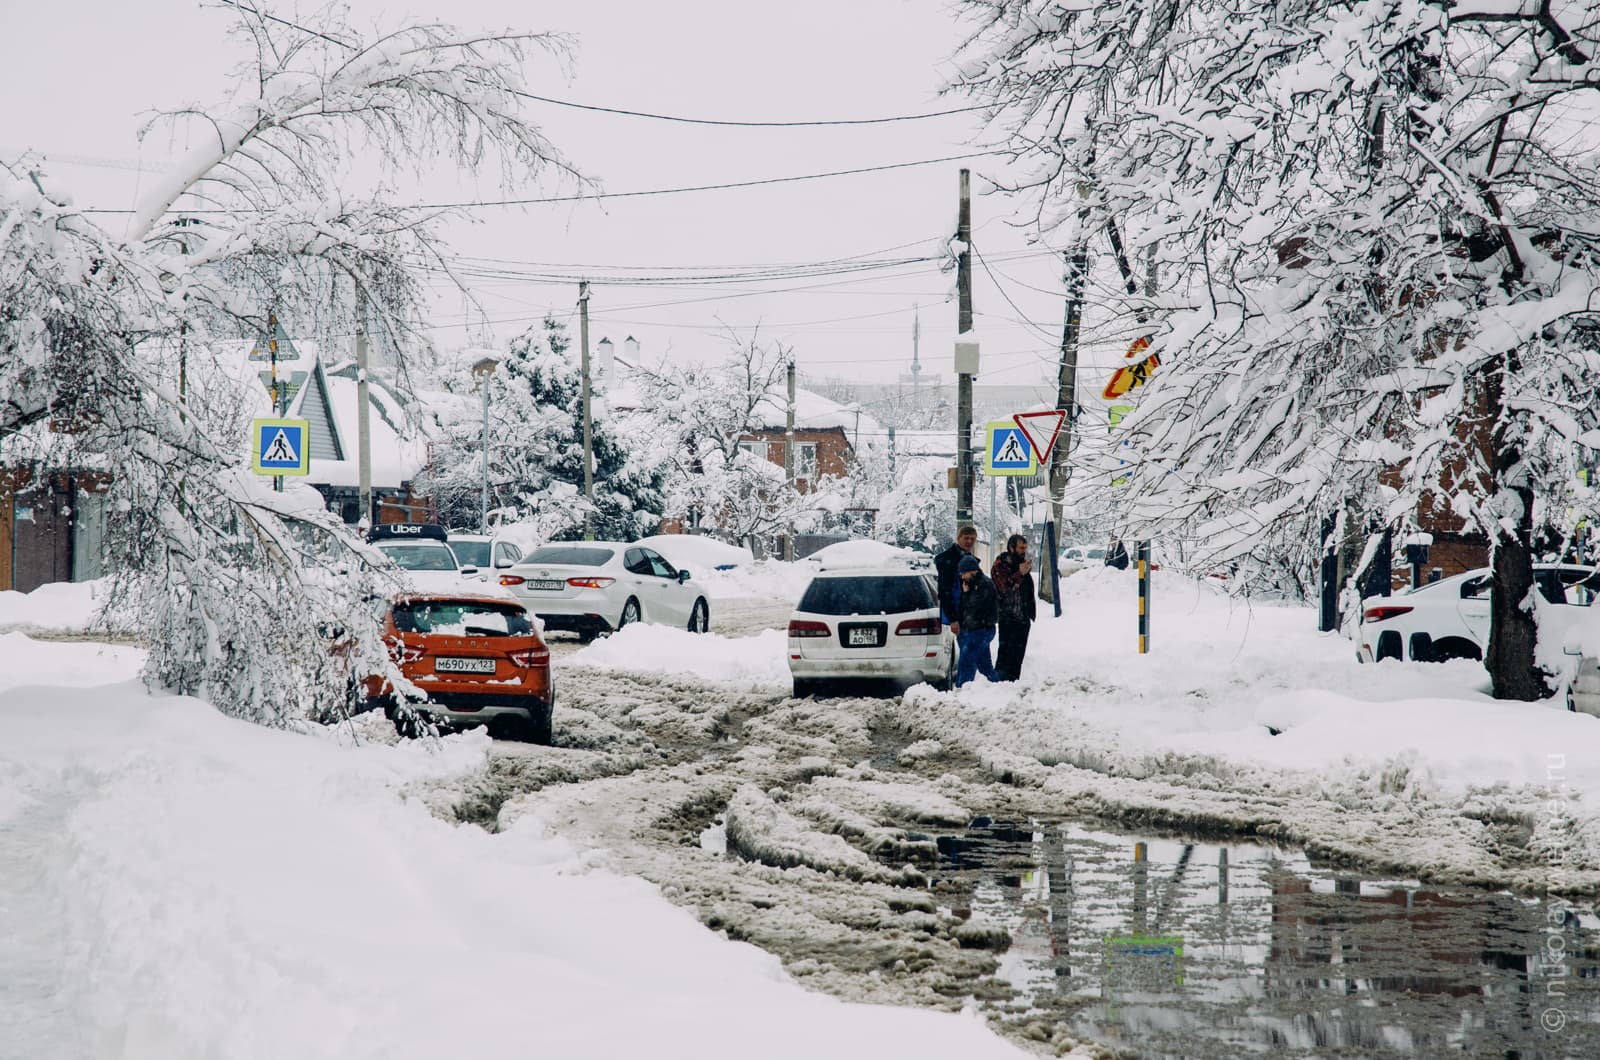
<point>481,371</point>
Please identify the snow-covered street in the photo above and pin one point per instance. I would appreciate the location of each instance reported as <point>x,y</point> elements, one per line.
<point>165,872</point>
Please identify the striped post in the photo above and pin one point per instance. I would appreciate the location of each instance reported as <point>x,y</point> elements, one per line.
<point>1142,551</point>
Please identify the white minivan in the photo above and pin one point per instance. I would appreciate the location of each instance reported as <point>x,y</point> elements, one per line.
<point>870,623</point>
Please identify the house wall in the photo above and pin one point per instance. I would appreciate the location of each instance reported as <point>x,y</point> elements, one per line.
<point>833,449</point>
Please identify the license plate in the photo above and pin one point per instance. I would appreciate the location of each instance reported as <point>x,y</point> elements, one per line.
<point>863,638</point>
<point>547,585</point>
<point>463,666</point>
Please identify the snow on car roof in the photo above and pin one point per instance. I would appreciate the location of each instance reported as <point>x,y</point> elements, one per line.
<point>866,554</point>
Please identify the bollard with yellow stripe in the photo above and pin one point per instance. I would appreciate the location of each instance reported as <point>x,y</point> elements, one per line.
<point>1142,551</point>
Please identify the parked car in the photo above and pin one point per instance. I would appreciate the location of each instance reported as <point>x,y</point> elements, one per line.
<point>593,587</point>
<point>1449,618</point>
<point>420,550</point>
<point>479,659</point>
<point>870,623</point>
<point>483,552</point>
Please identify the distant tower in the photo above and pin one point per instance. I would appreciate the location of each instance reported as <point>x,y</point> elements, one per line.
<point>916,343</point>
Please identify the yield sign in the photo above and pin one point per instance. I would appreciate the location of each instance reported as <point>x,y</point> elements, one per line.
<point>1041,429</point>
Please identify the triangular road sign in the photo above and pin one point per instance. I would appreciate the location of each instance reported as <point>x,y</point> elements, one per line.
<point>1043,431</point>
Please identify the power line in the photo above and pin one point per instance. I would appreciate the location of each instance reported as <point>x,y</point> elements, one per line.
<point>596,196</point>
<point>752,124</point>
<point>641,113</point>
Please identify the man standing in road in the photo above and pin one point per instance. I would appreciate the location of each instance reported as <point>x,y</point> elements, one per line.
<point>1013,588</point>
<point>979,612</point>
<point>946,563</point>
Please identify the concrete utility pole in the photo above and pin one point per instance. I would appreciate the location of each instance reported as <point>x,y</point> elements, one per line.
<point>278,403</point>
<point>588,422</point>
<point>1077,270</point>
<point>363,413</point>
<point>788,464</point>
<point>964,379</point>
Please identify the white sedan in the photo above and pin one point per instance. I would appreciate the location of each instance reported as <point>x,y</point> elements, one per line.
<point>1449,618</point>
<point>856,623</point>
<point>593,587</point>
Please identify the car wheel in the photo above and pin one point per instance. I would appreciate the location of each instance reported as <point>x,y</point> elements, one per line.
<point>409,722</point>
<point>948,681</point>
<point>630,613</point>
<point>700,617</point>
<point>539,726</point>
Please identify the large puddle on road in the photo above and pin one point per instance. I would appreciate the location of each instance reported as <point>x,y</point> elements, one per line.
<point>1185,949</point>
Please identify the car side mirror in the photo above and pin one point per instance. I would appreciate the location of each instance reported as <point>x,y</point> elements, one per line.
<point>503,563</point>
<point>683,576</point>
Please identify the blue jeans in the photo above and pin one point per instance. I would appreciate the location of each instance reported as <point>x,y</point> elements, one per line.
<point>974,645</point>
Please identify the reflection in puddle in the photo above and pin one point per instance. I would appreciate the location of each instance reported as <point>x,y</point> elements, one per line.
<point>1188,949</point>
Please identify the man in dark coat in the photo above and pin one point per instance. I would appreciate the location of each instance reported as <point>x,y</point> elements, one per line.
<point>979,611</point>
<point>1013,587</point>
<point>946,563</point>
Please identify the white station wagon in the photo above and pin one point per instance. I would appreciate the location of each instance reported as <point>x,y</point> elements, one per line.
<point>867,623</point>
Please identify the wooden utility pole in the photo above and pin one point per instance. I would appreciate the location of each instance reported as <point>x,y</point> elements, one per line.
<point>363,413</point>
<point>788,465</point>
<point>588,422</point>
<point>964,379</point>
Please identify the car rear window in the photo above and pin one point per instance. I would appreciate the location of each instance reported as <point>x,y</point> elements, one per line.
<point>420,556</point>
<point>867,595</point>
<point>461,618</point>
<point>570,555</point>
<point>471,553</point>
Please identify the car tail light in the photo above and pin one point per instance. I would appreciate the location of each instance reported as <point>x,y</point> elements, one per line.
<point>529,657</point>
<point>800,627</point>
<point>1384,612</point>
<point>405,653</point>
<point>590,583</point>
<point>918,627</point>
<point>510,579</point>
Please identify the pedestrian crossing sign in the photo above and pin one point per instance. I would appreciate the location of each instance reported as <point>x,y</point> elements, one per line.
<point>281,447</point>
<point>1009,452</point>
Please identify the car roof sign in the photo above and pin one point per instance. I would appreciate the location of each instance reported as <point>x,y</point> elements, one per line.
<point>406,531</point>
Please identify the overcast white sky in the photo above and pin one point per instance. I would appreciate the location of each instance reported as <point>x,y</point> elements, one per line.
<point>78,78</point>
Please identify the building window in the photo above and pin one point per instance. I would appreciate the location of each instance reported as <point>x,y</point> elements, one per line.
<point>756,449</point>
<point>805,460</point>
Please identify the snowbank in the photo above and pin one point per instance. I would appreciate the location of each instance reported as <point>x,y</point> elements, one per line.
<point>175,884</point>
<point>1246,717</point>
<point>56,607</point>
<point>748,662</point>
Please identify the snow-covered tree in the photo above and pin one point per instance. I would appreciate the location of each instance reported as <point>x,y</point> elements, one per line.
<point>702,412</point>
<point>1375,228</point>
<point>536,449</point>
<point>226,571</point>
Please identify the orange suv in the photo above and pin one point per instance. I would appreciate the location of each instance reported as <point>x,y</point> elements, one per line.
<point>479,659</point>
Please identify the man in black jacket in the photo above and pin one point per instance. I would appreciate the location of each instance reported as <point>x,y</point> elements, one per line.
<point>978,613</point>
<point>1013,586</point>
<point>946,563</point>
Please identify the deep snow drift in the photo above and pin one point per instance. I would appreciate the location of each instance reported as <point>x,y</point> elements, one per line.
<point>176,884</point>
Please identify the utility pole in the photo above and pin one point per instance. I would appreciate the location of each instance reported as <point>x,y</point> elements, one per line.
<point>363,411</point>
<point>277,403</point>
<point>1077,270</point>
<point>588,422</point>
<point>964,378</point>
<point>788,464</point>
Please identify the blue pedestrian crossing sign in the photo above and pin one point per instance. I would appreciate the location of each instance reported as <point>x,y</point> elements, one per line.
<point>281,447</point>
<point>1009,452</point>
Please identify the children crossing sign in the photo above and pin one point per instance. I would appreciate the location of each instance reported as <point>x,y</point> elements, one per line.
<point>1009,452</point>
<point>281,447</point>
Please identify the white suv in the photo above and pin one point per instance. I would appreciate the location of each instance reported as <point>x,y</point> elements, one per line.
<point>871,623</point>
<point>1449,619</point>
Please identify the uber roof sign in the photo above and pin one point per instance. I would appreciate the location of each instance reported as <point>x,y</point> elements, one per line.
<point>391,531</point>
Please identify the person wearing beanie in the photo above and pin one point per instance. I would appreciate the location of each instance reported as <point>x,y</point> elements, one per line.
<point>979,611</point>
